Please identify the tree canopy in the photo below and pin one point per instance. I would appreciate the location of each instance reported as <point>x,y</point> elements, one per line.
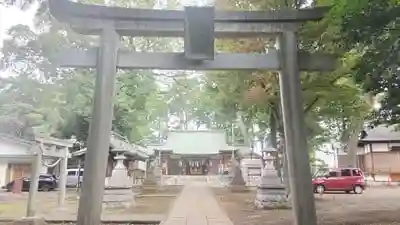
<point>370,30</point>
<point>58,101</point>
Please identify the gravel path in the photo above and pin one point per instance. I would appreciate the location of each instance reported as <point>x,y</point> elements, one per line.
<point>375,206</point>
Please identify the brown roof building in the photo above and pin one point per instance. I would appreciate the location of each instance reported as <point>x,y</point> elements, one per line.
<point>378,153</point>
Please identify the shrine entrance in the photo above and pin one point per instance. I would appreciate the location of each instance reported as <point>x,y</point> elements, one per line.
<point>181,164</point>
<point>199,26</point>
<point>193,166</point>
<point>195,152</point>
<point>18,170</point>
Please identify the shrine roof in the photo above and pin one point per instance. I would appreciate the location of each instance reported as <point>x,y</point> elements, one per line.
<point>120,143</point>
<point>10,138</point>
<point>382,133</point>
<point>196,143</point>
<point>14,147</point>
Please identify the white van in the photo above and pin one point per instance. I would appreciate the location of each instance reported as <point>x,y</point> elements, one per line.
<point>74,177</point>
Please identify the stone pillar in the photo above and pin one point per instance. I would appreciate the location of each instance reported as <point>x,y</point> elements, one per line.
<point>157,169</point>
<point>63,178</point>
<point>147,168</point>
<point>157,172</point>
<point>132,167</point>
<point>271,193</point>
<point>90,207</point>
<point>36,162</point>
<point>118,189</point>
<point>221,164</point>
<point>165,165</point>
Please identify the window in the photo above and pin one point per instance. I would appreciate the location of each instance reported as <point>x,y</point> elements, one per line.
<point>346,173</point>
<point>320,174</point>
<point>71,173</point>
<point>357,173</point>
<point>333,174</point>
<point>45,177</point>
<point>81,173</point>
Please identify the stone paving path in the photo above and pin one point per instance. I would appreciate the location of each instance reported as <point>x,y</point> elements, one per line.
<point>196,205</point>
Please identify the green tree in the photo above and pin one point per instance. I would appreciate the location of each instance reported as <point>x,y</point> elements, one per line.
<point>370,30</point>
<point>58,101</point>
<point>256,93</point>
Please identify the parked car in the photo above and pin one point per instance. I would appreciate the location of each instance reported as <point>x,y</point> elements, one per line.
<point>340,179</point>
<point>47,182</point>
<point>74,178</point>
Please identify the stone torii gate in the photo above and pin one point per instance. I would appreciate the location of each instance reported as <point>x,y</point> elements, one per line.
<point>199,26</point>
<point>45,148</point>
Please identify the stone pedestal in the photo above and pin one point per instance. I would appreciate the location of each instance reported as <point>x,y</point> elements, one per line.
<point>151,182</point>
<point>271,193</point>
<point>157,174</point>
<point>118,188</point>
<point>237,183</point>
<point>251,170</point>
<point>118,198</point>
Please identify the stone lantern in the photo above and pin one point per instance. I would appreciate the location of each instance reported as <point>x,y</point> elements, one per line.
<point>118,188</point>
<point>271,193</point>
<point>237,183</point>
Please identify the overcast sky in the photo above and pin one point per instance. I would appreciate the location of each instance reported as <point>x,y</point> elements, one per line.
<point>11,16</point>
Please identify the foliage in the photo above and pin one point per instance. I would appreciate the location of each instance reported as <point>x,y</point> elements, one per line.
<point>370,30</point>
<point>256,93</point>
<point>58,101</point>
<point>20,4</point>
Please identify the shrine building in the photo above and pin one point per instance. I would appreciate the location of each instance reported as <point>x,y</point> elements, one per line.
<point>196,153</point>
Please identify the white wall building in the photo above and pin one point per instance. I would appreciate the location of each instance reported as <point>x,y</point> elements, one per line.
<point>15,159</point>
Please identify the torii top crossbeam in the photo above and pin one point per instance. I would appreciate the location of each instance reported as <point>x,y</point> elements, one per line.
<point>68,8</point>
<point>198,25</point>
<point>89,19</point>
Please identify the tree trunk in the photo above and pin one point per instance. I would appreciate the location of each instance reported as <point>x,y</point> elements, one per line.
<point>261,139</point>
<point>273,142</point>
<point>274,131</point>
<point>184,120</point>
<point>243,129</point>
<point>277,132</point>
<point>352,144</point>
<point>285,166</point>
<point>352,141</point>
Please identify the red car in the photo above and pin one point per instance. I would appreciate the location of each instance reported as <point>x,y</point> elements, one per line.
<point>340,179</point>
